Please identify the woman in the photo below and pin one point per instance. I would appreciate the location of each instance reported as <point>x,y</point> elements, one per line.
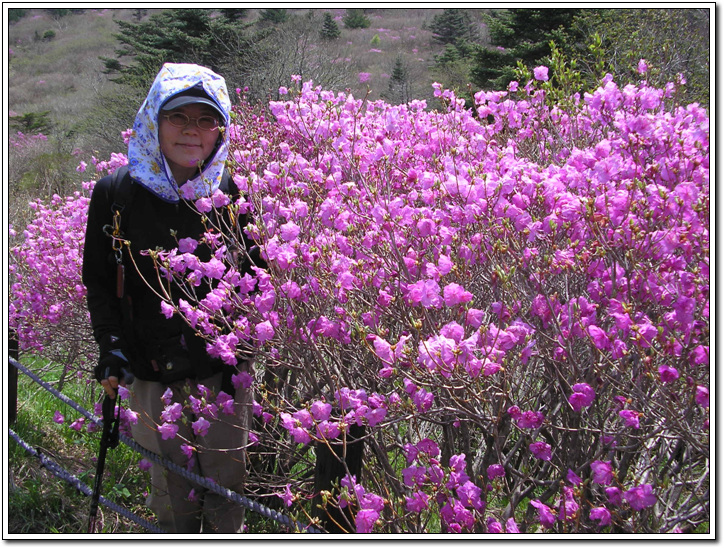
<point>176,155</point>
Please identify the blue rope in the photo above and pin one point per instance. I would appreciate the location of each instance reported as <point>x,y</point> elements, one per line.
<point>58,471</point>
<point>198,480</point>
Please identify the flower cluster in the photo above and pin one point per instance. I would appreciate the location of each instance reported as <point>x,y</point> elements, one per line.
<point>509,299</point>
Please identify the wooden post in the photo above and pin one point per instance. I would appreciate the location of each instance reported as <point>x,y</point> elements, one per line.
<point>13,352</point>
<point>329,470</point>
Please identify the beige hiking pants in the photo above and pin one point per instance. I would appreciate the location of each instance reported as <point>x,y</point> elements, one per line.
<point>218,455</point>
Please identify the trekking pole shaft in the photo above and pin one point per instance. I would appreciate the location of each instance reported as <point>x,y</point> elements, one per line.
<point>110,424</point>
<point>95,498</point>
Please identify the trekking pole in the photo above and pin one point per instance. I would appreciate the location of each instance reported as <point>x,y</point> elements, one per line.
<point>109,439</point>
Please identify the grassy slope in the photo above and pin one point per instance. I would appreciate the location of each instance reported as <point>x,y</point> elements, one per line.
<point>63,75</point>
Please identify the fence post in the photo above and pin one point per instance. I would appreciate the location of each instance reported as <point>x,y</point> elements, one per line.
<point>330,468</point>
<point>13,352</point>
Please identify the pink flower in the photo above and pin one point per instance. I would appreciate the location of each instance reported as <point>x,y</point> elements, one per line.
<point>214,269</point>
<point>614,495</point>
<point>300,435</point>
<point>144,465</point>
<point>602,515</point>
<point>702,396</point>
<point>264,331</point>
<point>187,245</point>
<point>200,426</point>
<point>328,430</point>
<point>320,410</point>
<point>541,73</point>
<point>425,293</point>
<point>573,478</point>
<point>78,424</point>
<point>540,450</point>
<point>545,516</point>
<point>428,447</point>
<point>668,373</point>
<point>167,310</point>
<point>583,396</point>
<point>494,526</point>
<point>640,497</point>
<point>602,472</point>
<point>511,526</point>
<point>569,509</point>
<point>418,502</point>
<point>287,496</point>
<point>242,379</point>
<point>364,77</point>
<point>455,294</point>
<point>172,413</point>
<point>304,418</point>
<point>530,419</point>
<point>383,349</point>
<point>599,337</point>
<point>168,431</point>
<point>365,520</point>
<point>289,231</point>
<point>469,495</point>
<point>643,67</point>
<point>58,418</point>
<point>495,471</point>
<point>631,418</point>
<point>187,450</point>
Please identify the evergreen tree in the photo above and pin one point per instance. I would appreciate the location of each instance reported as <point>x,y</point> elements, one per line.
<point>330,29</point>
<point>452,25</point>
<point>176,36</point>
<point>274,15</point>
<point>518,34</point>
<point>399,88</point>
<point>356,19</point>
<point>16,14</point>
<point>234,14</point>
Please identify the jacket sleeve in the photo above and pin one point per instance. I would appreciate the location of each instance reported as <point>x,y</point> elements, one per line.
<point>99,271</point>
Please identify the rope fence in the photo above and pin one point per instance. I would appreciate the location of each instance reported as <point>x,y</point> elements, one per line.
<point>58,471</point>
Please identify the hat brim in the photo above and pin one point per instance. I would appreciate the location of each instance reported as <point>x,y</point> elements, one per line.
<point>183,100</point>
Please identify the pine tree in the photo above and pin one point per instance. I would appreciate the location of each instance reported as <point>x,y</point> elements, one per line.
<point>176,36</point>
<point>274,15</point>
<point>518,34</point>
<point>399,88</point>
<point>452,25</point>
<point>356,19</point>
<point>330,29</point>
<point>234,14</point>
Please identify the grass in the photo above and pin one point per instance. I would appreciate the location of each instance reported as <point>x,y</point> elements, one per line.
<point>39,502</point>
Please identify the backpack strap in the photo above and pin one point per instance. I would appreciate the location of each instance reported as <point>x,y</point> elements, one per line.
<point>122,188</point>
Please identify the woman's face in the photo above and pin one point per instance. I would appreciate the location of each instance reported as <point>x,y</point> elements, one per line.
<point>186,148</point>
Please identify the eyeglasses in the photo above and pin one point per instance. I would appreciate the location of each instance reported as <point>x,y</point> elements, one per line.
<point>179,119</point>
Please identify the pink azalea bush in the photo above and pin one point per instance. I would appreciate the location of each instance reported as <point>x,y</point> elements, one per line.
<point>512,301</point>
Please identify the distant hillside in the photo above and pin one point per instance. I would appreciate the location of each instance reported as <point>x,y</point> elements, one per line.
<point>55,66</point>
<point>56,80</point>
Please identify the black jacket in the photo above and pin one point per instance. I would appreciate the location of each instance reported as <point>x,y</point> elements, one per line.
<point>137,322</point>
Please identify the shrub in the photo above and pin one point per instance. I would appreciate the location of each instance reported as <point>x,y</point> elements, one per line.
<point>517,311</point>
<point>513,303</point>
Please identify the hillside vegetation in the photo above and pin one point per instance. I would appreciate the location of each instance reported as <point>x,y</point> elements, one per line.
<point>64,70</point>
